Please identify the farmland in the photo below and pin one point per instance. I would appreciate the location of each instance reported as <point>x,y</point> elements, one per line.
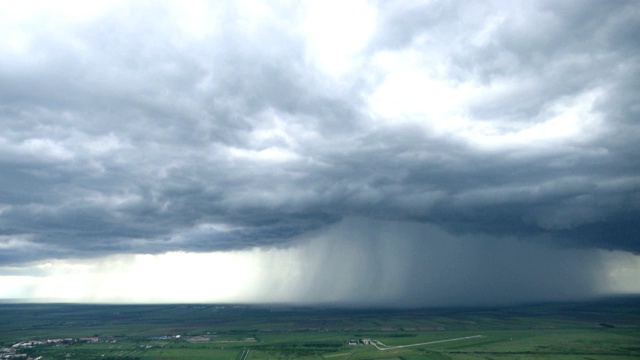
<point>606,329</point>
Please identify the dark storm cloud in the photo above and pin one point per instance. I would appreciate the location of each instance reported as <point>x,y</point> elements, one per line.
<point>133,132</point>
<point>399,264</point>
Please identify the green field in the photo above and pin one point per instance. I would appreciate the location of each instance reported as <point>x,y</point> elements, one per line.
<point>608,329</point>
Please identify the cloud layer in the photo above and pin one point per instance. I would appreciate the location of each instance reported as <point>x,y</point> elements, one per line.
<point>130,127</point>
<point>358,262</point>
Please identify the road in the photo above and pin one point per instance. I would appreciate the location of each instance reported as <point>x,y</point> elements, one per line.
<point>386,347</point>
<point>244,354</point>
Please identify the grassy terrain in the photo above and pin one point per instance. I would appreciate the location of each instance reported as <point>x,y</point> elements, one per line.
<point>597,330</point>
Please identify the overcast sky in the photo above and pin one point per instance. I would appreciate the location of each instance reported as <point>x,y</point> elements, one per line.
<point>377,153</point>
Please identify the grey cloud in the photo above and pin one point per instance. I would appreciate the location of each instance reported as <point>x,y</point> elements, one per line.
<point>126,135</point>
<point>388,263</point>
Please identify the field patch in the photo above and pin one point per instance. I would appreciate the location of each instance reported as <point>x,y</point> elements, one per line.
<point>548,331</point>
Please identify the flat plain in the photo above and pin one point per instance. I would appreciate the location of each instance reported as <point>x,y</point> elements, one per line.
<point>604,329</point>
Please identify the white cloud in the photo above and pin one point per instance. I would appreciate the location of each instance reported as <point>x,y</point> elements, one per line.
<point>336,31</point>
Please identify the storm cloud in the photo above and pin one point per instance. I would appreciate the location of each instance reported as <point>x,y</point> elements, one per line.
<point>138,128</point>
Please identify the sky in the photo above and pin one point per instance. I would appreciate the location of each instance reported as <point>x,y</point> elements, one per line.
<point>365,153</point>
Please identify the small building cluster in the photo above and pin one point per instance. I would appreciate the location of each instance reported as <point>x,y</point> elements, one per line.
<point>364,341</point>
<point>91,339</point>
<point>10,353</point>
<point>13,352</point>
<point>164,337</point>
